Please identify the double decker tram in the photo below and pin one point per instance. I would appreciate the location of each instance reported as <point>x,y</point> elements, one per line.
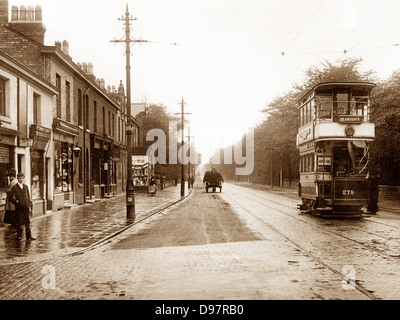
<point>333,136</point>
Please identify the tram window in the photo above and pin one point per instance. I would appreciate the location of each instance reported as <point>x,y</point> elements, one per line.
<point>341,98</point>
<point>358,106</point>
<point>324,107</point>
<point>324,164</point>
<point>341,163</point>
<point>311,162</point>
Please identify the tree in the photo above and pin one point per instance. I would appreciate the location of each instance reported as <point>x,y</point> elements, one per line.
<point>278,131</point>
<point>385,114</point>
<point>344,70</point>
<point>157,117</point>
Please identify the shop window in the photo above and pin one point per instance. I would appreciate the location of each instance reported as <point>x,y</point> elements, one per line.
<point>63,167</point>
<point>4,168</point>
<point>37,172</point>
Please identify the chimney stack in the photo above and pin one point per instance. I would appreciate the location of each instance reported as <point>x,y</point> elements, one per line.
<point>26,21</point>
<point>65,47</point>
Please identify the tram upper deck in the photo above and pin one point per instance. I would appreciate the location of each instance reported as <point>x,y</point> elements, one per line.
<point>335,111</point>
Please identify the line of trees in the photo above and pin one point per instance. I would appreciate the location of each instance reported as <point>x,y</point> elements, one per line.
<point>276,157</point>
<point>157,117</point>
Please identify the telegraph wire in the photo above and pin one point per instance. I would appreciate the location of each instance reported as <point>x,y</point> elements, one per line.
<point>372,32</point>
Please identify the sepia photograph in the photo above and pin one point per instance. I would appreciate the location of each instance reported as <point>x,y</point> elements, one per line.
<point>199,158</point>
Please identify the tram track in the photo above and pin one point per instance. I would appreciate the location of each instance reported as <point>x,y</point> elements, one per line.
<point>306,251</point>
<point>337,221</point>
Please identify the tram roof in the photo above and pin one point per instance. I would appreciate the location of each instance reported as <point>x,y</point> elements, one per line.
<point>327,85</point>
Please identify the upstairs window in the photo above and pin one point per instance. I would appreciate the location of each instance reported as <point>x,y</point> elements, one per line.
<point>58,97</point>
<point>3,109</point>
<point>324,104</point>
<point>36,108</point>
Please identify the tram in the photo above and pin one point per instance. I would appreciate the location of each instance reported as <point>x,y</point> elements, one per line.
<point>334,131</point>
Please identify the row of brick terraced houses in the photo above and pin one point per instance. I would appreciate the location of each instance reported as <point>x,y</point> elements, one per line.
<point>58,123</point>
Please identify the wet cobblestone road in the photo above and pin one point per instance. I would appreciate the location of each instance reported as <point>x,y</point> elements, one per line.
<point>79,227</point>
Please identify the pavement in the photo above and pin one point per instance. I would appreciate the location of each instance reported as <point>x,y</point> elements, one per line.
<point>69,230</point>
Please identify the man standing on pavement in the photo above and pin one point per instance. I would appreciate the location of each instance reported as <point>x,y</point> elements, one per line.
<point>21,198</point>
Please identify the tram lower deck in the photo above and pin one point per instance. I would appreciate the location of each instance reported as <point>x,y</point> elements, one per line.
<point>334,178</point>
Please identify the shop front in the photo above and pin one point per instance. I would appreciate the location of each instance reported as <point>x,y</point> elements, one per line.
<point>40,138</point>
<point>64,141</point>
<point>7,162</point>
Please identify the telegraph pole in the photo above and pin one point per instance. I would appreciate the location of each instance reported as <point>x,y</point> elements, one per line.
<point>182,166</point>
<point>130,189</point>
<point>182,113</point>
<point>190,154</point>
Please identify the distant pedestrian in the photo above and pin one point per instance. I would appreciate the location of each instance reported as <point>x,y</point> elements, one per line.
<point>374,195</point>
<point>21,198</point>
<point>9,216</point>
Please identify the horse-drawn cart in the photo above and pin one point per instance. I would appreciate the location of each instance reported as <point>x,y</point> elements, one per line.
<point>213,180</point>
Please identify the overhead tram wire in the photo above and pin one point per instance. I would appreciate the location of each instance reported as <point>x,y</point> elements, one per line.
<point>283,53</point>
<point>372,32</point>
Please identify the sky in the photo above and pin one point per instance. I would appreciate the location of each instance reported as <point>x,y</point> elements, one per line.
<point>227,59</point>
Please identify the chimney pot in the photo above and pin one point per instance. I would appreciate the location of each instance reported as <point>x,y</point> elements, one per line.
<point>65,47</point>
<point>38,13</point>
<point>90,68</point>
<point>22,13</point>
<point>29,13</point>
<point>14,13</point>
<point>58,44</point>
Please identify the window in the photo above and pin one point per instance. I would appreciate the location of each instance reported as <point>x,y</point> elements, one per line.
<point>119,128</point>
<point>324,164</point>
<point>324,104</point>
<point>3,109</point>
<point>308,112</point>
<point>68,101</point>
<point>58,97</point>
<point>341,98</point>
<point>359,104</point>
<point>104,120</point>
<point>109,123</point>
<point>36,108</point>
<point>113,126</point>
<point>37,166</point>
<point>87,111</point>
<point>63,167</point>
<point>80,122</point>
<point>95,116</point>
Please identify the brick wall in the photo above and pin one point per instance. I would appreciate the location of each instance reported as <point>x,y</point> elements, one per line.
<point>22,49</point>
<point>389,192</point>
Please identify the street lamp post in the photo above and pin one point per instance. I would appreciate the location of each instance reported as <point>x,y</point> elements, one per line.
<point>130,189</point>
